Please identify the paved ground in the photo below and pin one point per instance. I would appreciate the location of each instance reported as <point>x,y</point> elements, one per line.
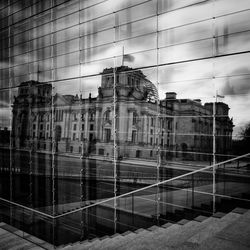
<point>14,239</point>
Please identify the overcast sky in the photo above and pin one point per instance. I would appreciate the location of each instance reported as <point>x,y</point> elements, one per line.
<point>185,34</point>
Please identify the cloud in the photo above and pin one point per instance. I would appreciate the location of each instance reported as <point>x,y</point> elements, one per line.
<point>238,83</point>
<point>4,104</point>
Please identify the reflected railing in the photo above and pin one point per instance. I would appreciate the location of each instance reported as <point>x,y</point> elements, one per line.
<point>205,191</point>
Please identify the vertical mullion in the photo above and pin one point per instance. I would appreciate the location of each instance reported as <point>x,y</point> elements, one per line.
<point>214,49</point>
<point>11,119</point>
<point>114,129</point>
<point>158,123</point>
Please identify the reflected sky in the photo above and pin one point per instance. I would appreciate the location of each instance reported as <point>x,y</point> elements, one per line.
<point>88,36</point>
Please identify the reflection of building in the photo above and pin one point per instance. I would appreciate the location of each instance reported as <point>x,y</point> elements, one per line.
<point>193,127</point>
<point>85,126</point>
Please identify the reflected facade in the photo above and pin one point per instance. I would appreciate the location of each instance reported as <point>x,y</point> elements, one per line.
<point>145,126</point>
<point>99,98</point>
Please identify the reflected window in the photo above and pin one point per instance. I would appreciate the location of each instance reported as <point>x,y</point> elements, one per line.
<point>42,117</point>
<point>92,117</point>
<point>75,116</point>
<point>107,116</point>
<point>137,83</point>
<point>107,135</point>
<point>152,121</point>
<point>134,136</point>
<point>138,153</point>
<point>129,81</point>
<point>58,133</point>
<point>134,118</point>
<point>59,115</point>
<point>91,137</point>
<point>117,79</point>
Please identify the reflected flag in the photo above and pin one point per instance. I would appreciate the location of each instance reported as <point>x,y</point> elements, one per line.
<point>220,96</point>
<point>128,58</point>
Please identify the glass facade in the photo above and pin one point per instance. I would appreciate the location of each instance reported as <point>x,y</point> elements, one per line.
<point>101,97</point>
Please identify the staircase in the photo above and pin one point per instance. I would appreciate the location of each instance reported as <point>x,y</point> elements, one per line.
<point>220,231</point>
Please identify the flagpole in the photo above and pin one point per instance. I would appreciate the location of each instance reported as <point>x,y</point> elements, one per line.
<point>122,55</point>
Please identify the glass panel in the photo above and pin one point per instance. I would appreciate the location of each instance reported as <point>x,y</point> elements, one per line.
<point>141,43</point>
<point>67,21</point>
<point>95,11</point>
<point>99,38</point>
<point>188,51</point>
<point>232,192</point>
<point>182,16</point>
<point>234,91</point>
<point>185,34</point>
<point>99,24</point>
<point>140,11</point>
<point>170,5</point>
<point>137,28</point>
<point>67,47</point>
<point>66,8</point>
<point>223,7</point>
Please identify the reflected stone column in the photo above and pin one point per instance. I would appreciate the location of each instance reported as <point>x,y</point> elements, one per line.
<point>144,127</point>
<point>98,123</point>
<point>130,123</point>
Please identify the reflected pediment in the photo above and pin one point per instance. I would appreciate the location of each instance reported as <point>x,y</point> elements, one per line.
<point>60,100</point>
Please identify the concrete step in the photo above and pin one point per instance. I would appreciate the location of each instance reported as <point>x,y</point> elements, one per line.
<point>111,241</point>
<point>236,235</point>
<point>212,228</point>
<point>220,231</point>
<point>238,232</point>
<point>116,243</point>
<point>176,235</point>
<point>173,233</point>
<point>142,238</point>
